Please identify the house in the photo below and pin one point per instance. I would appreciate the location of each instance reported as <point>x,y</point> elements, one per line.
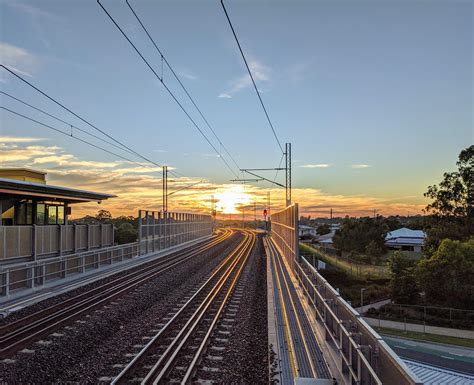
<point>306,231</point>
<point>405,239</point>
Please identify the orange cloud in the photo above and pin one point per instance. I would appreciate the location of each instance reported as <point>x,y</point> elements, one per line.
<point>139,187</point>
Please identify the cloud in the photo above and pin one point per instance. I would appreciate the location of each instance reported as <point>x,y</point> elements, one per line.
<point>361,166</point>
<point>15,139</point>
<point>31,10</point>
<point>17,59</point>
<point>139,187</point>
<point>260,73</point>
<point>319,165</point>
<point>187,74</point>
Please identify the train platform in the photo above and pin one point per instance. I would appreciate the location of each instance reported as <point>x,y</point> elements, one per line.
<point>296,356</point>
<point>74,281</point>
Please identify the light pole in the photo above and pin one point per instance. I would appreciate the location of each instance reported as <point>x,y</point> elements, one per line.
<point>362,289</point>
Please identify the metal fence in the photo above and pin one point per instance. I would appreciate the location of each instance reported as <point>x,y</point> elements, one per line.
<point>33,242</point>
<point>161,230</point>
<point>285,233</point>
<point>425,315</point>
<point>365,357</point>
<point>14,277</point>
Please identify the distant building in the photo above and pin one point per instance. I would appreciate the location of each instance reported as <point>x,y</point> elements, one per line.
<point>405,239</point>
<point>304,231</point>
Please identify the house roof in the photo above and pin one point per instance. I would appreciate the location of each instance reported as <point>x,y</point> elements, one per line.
<point>15,188</point>
<point>305,227</point>
<point>405,233</point>
<point>327,240</point>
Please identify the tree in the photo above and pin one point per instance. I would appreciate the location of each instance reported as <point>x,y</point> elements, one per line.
<point>453,204</point>
<point>455,194</point>
<point>125,233</point>
<point>103,216</point>
<point>374,251</point>
<point>356,234</point>
<point>403,285</point>
<point>323,229</point>
<point>447,277</point>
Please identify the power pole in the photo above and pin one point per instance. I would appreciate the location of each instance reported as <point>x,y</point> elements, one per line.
<point>213,212</point>
<point>330,214</point>
<point>243,216</point>
<point>268,202</point>
<point>165,189</point>
<point>287,169</point>
<point>288,173</point>
<point>255,213</point>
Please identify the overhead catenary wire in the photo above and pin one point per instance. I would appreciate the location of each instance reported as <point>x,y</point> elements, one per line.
<point>163,58</point>
<point>65,122</point>
<point>82,119</point>
<point>251,77</point>
<point>69,135</point>
<point>167,89</point>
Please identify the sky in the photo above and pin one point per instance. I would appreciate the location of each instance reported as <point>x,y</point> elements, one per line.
<point>375,97</point>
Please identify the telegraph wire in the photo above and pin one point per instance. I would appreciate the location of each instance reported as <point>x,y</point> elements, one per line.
<point>251,76</point>
<point>163,58</point>
<point>69,135</point>
<point>84,120</point>
<point>67,123</point>
<point>166,87</point>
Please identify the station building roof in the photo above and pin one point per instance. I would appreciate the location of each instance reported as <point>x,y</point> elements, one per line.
<point>12,188</point>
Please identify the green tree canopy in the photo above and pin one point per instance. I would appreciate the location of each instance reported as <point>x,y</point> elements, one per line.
<point>454,196</point>
<point>447,277</point>
<point>125,233</point>
<point>356,234</point>
<point>453,204</point>
<point>402,279</point>
<point>103,216</point>
<point>323,229</point>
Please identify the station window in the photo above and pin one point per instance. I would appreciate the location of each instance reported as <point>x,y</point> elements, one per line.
<point>24,213</point>
<point>61,215</point>
<point>52,215</point>
<point>40,213</point>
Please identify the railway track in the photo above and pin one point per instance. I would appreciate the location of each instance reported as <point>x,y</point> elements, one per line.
<point>17,334</point>
<point>174,353</point>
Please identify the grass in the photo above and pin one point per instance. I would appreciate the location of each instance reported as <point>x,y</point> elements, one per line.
<point>464,342</point>
<point>349,283</point>
<point>360,270</point>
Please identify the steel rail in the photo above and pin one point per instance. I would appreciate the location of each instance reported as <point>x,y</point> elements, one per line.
<point>195,320</point>
<point>87,301</point>
<point>132,366</point>
<point>200,351</point>
<point>226,265</point>
<point>100,289</point>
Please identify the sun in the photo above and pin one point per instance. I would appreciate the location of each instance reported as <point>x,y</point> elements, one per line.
<point>232,197</point>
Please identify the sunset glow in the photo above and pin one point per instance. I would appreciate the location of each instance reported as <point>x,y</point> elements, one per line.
<point>229,200</point>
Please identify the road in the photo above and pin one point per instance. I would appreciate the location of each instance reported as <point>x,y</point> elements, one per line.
<point>445,356</point>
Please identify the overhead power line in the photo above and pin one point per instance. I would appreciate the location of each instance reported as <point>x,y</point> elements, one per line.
<point>69,135</point>
<point>181,84</point>
<point>125,147</point>
<point>67,123</point>
<point>251,77</point>
<point>167,88</point>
